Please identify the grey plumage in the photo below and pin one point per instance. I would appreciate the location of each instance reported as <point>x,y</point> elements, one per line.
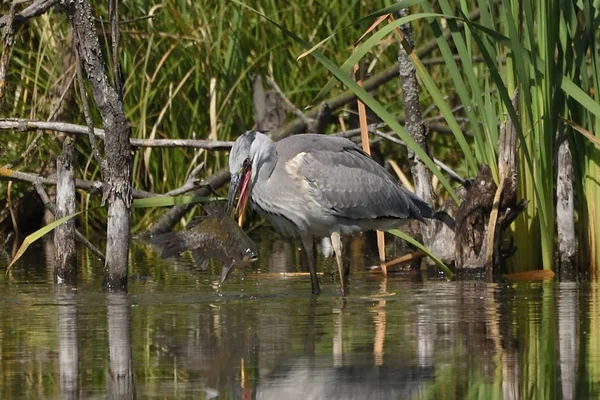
<point>315,186</point>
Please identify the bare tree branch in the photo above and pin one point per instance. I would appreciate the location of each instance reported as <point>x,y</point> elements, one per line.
<point>39,7</point>
<point>25,125</point>
<point>94,187</point>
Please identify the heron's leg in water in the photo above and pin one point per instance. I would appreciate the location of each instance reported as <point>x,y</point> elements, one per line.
<point>308,244</point>
<point>336,243</point>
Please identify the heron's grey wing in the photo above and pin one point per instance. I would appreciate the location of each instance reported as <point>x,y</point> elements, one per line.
<point>310,143</point>
<point>352,185</point>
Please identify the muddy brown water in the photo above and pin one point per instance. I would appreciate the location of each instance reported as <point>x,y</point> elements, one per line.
<point>177,335</point>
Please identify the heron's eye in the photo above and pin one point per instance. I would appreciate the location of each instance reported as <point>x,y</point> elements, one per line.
<point>246,162</point>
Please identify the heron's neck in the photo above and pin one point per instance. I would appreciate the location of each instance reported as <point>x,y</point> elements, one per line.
<point>264,162</point>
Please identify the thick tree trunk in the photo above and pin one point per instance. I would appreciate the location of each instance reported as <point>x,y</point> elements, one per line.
<point>65,266</point>
<point>117,175</point>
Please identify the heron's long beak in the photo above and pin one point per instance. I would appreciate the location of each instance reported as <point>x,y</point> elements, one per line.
<point>244,195</point>
<point>241,183</point>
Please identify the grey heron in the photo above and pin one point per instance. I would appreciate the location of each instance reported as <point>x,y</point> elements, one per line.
<point>313,185</point>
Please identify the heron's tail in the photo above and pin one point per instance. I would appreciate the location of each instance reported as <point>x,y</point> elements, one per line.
<point>420,210</point>
<point>171,243</point>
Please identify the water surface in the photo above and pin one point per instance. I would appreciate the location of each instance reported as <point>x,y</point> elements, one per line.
<point>177,335</point>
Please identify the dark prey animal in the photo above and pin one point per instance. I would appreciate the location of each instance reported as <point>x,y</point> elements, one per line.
<point>212,236</point>
<point>313,185</point>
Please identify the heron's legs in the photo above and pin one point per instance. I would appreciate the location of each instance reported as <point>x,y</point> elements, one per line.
<point>308,244</point>
<point>336,243</point>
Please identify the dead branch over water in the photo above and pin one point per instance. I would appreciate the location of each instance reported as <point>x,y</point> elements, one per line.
<point>94,187</point>
<point>26,125</point>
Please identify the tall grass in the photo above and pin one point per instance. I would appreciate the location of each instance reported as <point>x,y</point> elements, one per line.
<point>543,48</point>
<point>546,50</point>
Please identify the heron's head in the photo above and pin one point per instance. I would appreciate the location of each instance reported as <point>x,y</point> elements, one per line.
<point>247,155</point>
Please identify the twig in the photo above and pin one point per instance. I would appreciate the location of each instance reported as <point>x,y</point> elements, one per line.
<point>441,117</point>
<point>405,258</point>
<point>355,132</point>
<point>190,184</point>
<point>126,21</point>
<point>24,125</point>
<point>456,57</point>
<point>195,171</point>
<point>88,186</point>
<point>50,206</point>
<point>453,174</point>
